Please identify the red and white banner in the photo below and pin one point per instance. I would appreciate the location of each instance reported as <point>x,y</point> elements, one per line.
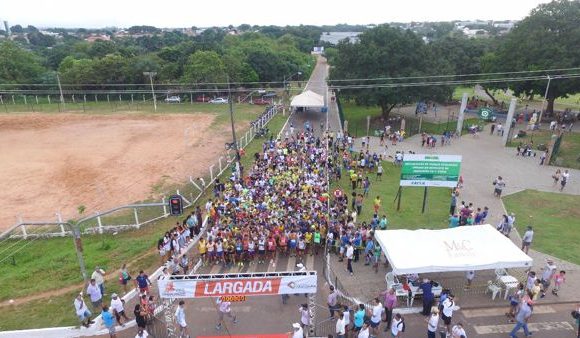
<point>184,288</point>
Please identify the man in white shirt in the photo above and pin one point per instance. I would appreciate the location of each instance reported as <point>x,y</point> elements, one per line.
<point>142,333</point>
<point>224,310</point>
<point>180,319</point>
<point>398,325</point>
<point>118,309</point>
<point>364,331</point>
<point>349,256</point>
<point>448,307</point>
<point>433,322</point>
<point>298,332</point>
<point>527,239</point>
<point>99,276</point>
<point>458,331</point>
<point>82,311</point>
<point>340,328</point>
<point>376,317</point>
<point>95,294</point>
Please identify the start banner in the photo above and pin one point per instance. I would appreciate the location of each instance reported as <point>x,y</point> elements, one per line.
<point>251,286</point>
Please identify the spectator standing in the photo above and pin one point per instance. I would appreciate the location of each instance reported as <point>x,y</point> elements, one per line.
<point>82,311</point>
<point>118,307</point>
<point>340,327</point>
<point>224,309</point>
<point>527,239</point>
<point>433,323</point>
<point>140,316</point>
<point>377,314</point>
<point>428,296</point>
<point>180,320</point>
<point>349,257</point>
<point>332,301</point>
<point>304,316</point>
<point>390,302</point>
<point>448,307</point>
<point>559,279</point>
<point>99,276</point>
<point>359,318</point>
<point>364,331</point>
<point>564,179</point>
<point>458,331</point>
<point>95,295</point>
<point>124,277</point>
<point>398,326</point>
<point>453,203</point>
<point>298,332</point>
<point>108,321</point>
<point>142,333</point>
<point>547,276</point>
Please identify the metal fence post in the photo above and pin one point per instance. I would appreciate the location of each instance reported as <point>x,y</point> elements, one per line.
<point>24,234</point>
<point>164,206</point>
<point>136,217</point>
<point>220,163</point>
<point>99,222</point>
<point>25,99</point>
<point>59,218</point>
<point>211,172</point>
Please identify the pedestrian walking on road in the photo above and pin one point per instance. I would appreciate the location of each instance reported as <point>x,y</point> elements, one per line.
<point>564,179</point>
<point>547,276</point>
<point>522,318</point>
<point>180,320</point>
<point>559,279</point>
<point>527,239</point>
<point>433,323</point>
<point>224,309</point>
<point>448,308</point>
<point>499,185</point>
<point>556,176</point>
<point>332,301</point>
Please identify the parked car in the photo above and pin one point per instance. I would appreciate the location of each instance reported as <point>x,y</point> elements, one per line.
<point>173,99</point>
<point>202,99</point>
<point>219,100</point>
<point>261,101</point>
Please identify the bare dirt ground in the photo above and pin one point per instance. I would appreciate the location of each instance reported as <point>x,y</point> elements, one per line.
<point>54,163</point>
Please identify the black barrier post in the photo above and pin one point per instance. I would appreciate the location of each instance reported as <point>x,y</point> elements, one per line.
<point>424,200</point>
<point>398,197</point>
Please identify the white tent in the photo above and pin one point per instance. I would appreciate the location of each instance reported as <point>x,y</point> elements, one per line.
<point>478,247</point>
<point>308,99</point>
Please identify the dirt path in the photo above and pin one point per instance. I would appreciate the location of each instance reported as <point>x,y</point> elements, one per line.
<point>111,276</point>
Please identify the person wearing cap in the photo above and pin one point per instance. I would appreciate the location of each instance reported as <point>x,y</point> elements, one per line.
<point>547,276</point>
<point>99,277</point>
<point>527,239</point>
<point>448,307</point>
<point>433,322</point>
<point>298,332</point>
<point>117,305</point>
<point>82,311</point>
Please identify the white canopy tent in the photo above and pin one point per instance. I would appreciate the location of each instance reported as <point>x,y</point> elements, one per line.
<point>307,99</point>
<point>478,247</point>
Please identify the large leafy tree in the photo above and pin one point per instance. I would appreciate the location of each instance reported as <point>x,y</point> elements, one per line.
<point>204,67</point>
<point>18,65</point>
<point>549,38</point>
<point>386,52</point>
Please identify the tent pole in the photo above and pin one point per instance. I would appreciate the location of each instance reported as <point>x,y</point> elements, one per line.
<point>398,197</point>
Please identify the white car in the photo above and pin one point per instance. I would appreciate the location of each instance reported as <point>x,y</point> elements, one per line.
<point>173,99</point>
<point>219,100</point>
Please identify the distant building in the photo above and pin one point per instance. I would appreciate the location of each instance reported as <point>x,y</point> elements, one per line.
<point>95,37</point>
<point>317,50</point>
<point>334,37</point>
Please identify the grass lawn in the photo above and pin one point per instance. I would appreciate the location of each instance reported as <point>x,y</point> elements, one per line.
<point>409,217</point>
<point>569,148</point>
<point>553,216</point>
<point>51,264</point>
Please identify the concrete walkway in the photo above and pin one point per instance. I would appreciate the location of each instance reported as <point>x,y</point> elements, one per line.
<point>484,158</point>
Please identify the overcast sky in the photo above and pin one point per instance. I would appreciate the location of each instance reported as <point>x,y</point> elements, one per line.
<point>204,13</point>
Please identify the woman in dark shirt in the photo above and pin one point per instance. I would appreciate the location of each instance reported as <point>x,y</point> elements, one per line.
<point>140,316</point>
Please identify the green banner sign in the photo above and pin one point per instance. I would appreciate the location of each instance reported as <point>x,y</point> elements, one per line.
<point>430,170</point>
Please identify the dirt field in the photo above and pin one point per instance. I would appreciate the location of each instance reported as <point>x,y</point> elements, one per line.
<point>52,163</point>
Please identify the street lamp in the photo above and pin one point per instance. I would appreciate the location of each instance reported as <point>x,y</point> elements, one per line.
<point>545,99</point>
<point>290,77</point>
<point>151,75</point>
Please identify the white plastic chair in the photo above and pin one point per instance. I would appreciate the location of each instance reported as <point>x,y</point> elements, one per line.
<point>391,279</point>
<point>494,289</point>
<point>500,273</point>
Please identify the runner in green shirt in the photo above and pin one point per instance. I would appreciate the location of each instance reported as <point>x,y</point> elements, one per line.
<point>378,252</point>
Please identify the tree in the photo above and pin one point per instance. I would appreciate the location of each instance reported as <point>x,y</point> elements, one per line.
<point>204,67</point>
<point>547,39</point>
<point>387,52</point>
<point>17,29</point>
<point>18,65</point>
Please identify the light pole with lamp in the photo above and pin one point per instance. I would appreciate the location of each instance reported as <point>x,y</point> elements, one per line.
<point>545,100</point>
<point>151,75</point>
<point>288,78</point>
<point>235,142</point>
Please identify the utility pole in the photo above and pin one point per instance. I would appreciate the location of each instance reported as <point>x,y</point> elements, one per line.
<point>545,100</point>
<point>151,75</point>
<point>60,90</point>
<point>238,157</point>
